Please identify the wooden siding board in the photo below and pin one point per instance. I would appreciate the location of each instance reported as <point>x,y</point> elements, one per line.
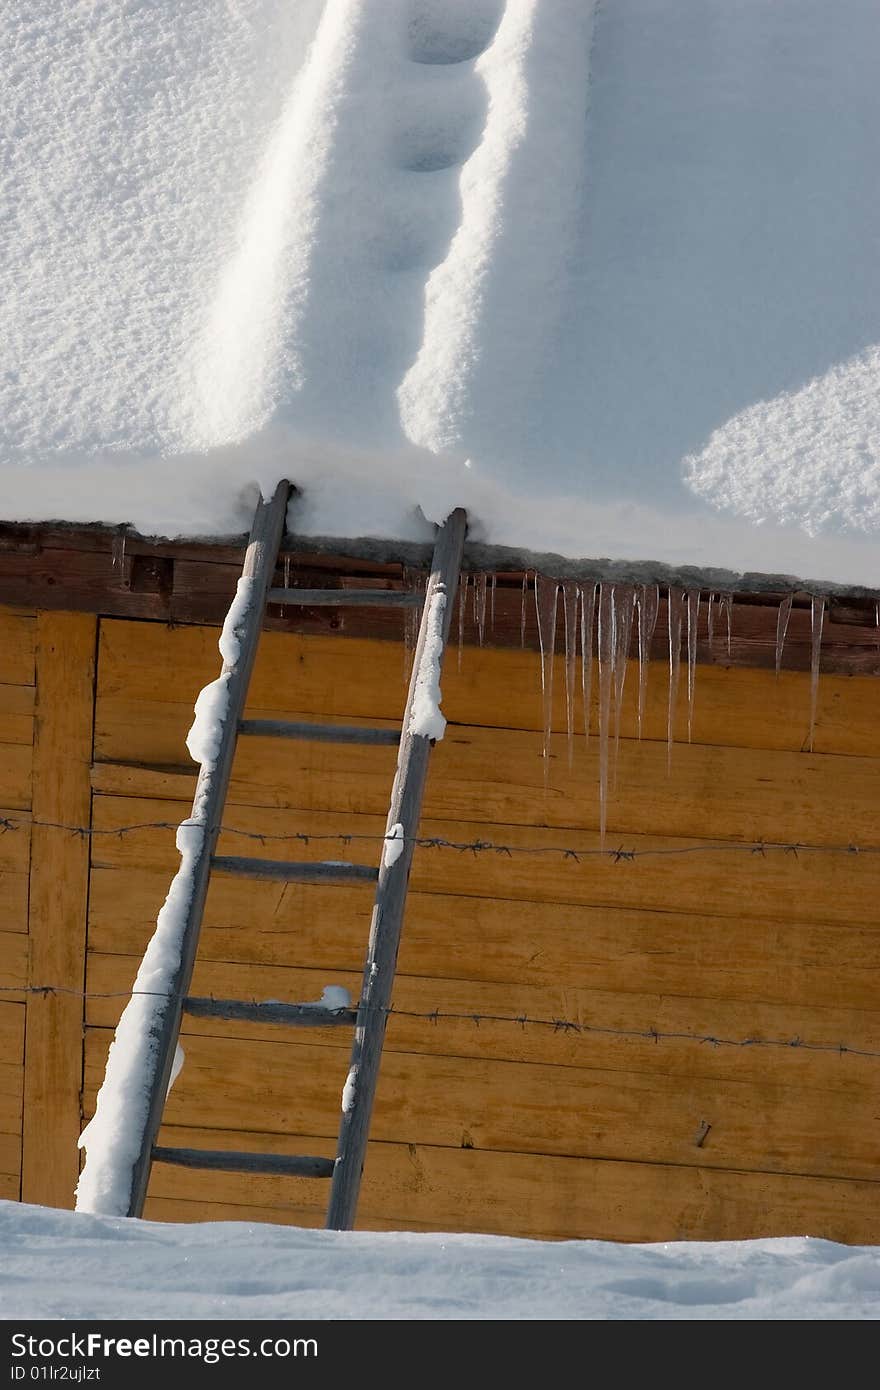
<point>610,1022</point>
<point>495,688</point>
<point>496,775</point>
<point>15,775</point>
<point>10,1159</point>
<point>16,714</point>
<point>65,653</point>
<point>515,1106</point>
<point>542,1197</point>
<point>814,964</point>
<point>16,647</point>
<point>819,887</point>
<point>13,960</point>
<point>10,1187</point>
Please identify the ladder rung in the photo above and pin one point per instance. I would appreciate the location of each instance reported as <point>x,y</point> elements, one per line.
<point>325,733</point>
<point>323,871</point>
<point>346,598</point>
<point>297,1015</point>
<point>292,1165</point>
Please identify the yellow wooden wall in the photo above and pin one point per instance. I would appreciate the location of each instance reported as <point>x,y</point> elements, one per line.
<point>46,717</point>
<point>494,1126</point>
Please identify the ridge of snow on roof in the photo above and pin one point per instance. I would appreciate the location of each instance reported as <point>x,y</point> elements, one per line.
<point>607,276</point>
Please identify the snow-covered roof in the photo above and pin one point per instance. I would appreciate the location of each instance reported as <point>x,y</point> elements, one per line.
<point>607,275</point>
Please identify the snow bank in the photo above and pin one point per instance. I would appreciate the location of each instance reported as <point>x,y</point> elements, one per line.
<point>606,277</point>
<point>61,1265</point>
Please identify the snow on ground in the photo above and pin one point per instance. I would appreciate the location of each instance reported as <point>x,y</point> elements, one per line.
<point>605,274</point>
<point>68,1265</point>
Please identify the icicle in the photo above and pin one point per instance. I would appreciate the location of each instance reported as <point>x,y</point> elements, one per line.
<point>588,609</point>
<point>782,628</point>
<point>675,613</point>
<point>546,597</point>
<point>725,603</point>
<point>492,603</point>
<point>522,615</point>
<point>693,623</point>
<point>624,603</point>
<point>818,618</point>
<point>607,614</point>
<point>877,620</point>
<point>481,586</point>
<point>117,552</point>
<point>570,606</point>
<point>286,569</point>
<point>649,606</point>
<point>413,579</point>
<point>710,620</point>
<point>463,581</point>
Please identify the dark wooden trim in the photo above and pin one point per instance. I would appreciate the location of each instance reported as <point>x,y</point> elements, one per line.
<point>55,567</point>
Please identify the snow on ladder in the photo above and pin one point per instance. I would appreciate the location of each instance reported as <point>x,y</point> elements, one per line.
<point>121,1139</point>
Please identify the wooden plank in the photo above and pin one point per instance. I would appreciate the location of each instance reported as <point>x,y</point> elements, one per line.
<point>766,960</point>
<point>486,1104</point>
<point>15,840</point>
<point>11,1082</point>
<point>412,1187</point>
<point>16,760</point>
<point>10,1157</point>
<point>497,775</point>
<point>87,581</point>
<point>14,896</point>
<point>11,1032</point>
<point>820,887</point>
<point>163,1209</point>
<point>16,647</point>
<point>17,714</point>
<point>15,851</point>
<point>633,1031</point>
<point>13,957</point>
<point>65,666</point>
<point>497,688</point>
<point>10,1187</point>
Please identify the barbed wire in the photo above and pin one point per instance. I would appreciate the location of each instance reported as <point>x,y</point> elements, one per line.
<point>617,854</point>
<point>520,1020</point>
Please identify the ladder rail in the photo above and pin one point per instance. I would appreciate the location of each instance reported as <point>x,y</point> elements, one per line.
<point>210,797</point>
<point>390,900</point>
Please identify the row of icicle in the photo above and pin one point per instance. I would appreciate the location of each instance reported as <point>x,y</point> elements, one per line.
<point>614,609</point>
<point>620,614</point>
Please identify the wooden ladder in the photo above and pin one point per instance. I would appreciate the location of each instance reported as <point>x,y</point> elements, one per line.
<point>391,878</point>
